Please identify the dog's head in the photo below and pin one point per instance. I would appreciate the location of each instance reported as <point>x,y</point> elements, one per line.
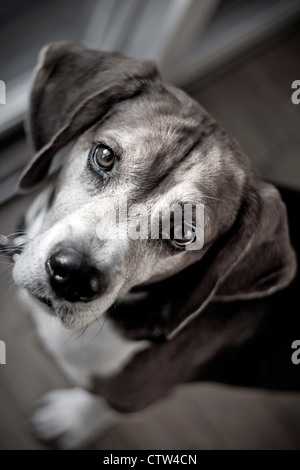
<point>142,147</point>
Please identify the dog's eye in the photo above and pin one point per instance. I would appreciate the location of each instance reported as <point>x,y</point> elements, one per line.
<point>102,156</point>
<point>183,235</point>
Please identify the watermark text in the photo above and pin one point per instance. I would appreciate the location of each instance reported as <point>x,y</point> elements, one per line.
<point>296,94</point>
<point>296,354</point>
<point>2,352</point>
<point>181,224</point>
<point>2,92</point>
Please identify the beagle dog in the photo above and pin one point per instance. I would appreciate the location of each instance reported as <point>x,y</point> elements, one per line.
<point>131,317</point>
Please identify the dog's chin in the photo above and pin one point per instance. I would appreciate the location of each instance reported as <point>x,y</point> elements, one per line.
<point>68,313</point>
<point>72,315</point>
<point>74,320</point>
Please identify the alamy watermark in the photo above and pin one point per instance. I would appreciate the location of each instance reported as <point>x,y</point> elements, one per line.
<point>2,92</point>
<point>182,224</point>
<point>296,94</point>
<point>296,354</point>
<point>2,352</point>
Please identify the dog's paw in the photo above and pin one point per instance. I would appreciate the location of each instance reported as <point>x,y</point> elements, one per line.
<point>69,418</point>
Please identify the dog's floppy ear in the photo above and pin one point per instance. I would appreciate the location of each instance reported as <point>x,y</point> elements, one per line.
<point>73,87</point>
<point>252,259</point>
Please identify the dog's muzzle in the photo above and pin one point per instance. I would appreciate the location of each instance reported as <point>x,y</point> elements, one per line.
<point>13,245</point>
<point>72,276</point>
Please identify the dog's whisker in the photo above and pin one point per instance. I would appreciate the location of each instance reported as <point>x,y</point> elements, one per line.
<point>6,249</point>
<point>7,268</point>
<point>84,328</point>
<point>22,233</point>
<point>98,321</point>
<point>103,323</point>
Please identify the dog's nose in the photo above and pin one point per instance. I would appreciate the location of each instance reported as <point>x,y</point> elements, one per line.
<point>72,277</point>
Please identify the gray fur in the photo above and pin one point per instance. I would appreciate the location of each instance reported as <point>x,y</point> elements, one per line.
<point>170,150</point>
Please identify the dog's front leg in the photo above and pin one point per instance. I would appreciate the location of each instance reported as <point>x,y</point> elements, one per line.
<point>189,356</point>
<point>70,418</point>
<point>152,373</point>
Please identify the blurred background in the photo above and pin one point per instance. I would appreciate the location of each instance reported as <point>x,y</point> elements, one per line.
<point>238,58</point>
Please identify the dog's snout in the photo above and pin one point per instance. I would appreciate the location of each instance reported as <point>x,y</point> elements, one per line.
<point>72,276</point>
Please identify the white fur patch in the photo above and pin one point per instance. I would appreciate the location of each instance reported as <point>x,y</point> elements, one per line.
<point>98,350</point>
<point>70,417</point>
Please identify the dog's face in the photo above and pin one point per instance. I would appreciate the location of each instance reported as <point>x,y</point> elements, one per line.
<point>157,148</point>
<point>157,156</point>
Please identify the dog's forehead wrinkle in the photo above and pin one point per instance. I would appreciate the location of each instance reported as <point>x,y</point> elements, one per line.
<point>150,133</point>
<point>159,111</point>
<point>156,137</point>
